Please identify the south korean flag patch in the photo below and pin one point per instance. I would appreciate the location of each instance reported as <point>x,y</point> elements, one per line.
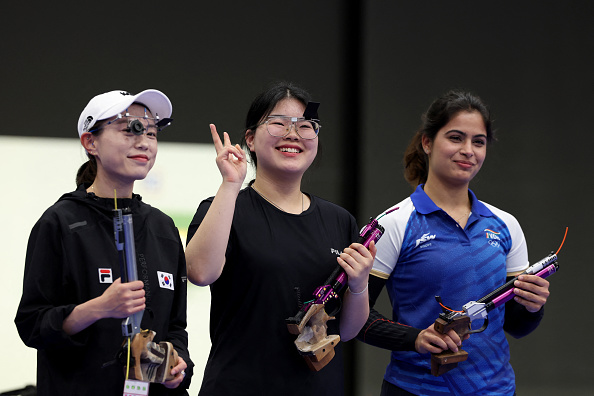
<point>165,280</point>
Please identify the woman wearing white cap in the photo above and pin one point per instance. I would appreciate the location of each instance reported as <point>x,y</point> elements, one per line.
<point>73,299</point>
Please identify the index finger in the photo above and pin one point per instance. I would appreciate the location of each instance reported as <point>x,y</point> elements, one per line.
<point>455,337</point>
<point>135,285</point>
<point>372,249</point>
<point>537,280</point>
<point>363,251</point>
<point>215,138</point>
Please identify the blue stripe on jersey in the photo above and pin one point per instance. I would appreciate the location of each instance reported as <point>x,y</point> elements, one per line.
<point>438,257</point>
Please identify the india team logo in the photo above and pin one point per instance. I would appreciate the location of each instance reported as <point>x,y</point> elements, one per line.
<point>492,237</point>
<point>492,234</point>
<point>105,275</point>
<point>165,280</point>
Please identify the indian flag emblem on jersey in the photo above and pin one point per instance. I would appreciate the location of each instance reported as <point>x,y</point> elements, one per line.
<point>165,280</point>
<point>490,234</point>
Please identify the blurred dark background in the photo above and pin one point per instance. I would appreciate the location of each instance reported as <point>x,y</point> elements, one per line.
<point>375,66</point>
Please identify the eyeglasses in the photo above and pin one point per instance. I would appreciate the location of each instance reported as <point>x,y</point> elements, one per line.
<point>137,127</point>
<point>280,126</point>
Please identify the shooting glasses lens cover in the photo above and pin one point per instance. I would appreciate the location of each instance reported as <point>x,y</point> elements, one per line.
<point>136,127</point>
<point>135,124</point>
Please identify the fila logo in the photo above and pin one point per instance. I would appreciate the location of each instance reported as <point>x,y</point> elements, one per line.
<point>105,275</point>
<point>165,280</point>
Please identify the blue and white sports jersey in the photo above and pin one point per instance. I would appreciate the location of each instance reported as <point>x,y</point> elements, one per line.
<point>425,253</point>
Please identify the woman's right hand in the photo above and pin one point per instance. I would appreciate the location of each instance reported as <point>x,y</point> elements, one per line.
<point>431,341</point>
<point>121,300</point>
<point>205,253</point>
<point>231,159</point>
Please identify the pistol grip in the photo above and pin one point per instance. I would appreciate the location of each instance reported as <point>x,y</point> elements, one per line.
<point>319,355</point>
<point>171,359</point>
<point>151,362</point>
<point>447,360</point>
<point>297,328</point>
<point>314,343</point>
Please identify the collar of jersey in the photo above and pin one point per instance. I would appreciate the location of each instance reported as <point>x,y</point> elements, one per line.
<point>424,204</point>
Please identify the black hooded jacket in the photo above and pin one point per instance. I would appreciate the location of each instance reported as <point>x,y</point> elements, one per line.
<point>71,251</point>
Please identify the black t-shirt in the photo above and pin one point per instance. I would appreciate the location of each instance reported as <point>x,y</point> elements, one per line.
<point>273,260</point>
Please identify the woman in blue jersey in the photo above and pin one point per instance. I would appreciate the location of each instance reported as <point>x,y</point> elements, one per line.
<point>443,241</point>
<point>262,247</point>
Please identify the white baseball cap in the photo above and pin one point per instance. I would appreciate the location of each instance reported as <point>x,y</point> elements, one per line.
<point>112,103</point>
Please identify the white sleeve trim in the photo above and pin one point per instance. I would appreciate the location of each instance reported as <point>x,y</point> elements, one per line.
<point>388,247</point>
<point>517,258</point>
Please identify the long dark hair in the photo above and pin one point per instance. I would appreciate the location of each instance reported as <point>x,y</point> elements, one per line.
<point>264,103</point>
<point>440,112</point>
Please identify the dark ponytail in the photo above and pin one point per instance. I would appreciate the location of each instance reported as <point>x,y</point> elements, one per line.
<point>87,172</point>
<point>415,161</point>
